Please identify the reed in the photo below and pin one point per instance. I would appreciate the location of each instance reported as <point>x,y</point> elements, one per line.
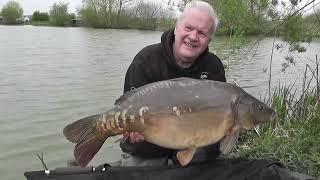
<point>293,137</point>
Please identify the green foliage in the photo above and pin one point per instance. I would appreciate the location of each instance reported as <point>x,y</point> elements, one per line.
<point>232,15</point>
<point>40,16</point>
<point>263,17</point>
<point>242,16</point>
<point>293,137</point>
<point>59,14</point>
<point>183,4</point>
<point>11,11</point>
<point>166,23</point>
<point>294,32</point>
<point>103,14</point>
<point>40,23</point>
<point>311,23</point>
<point>90,16</point>
<point>146,15</point>
<point>280,103</point>
<point>118,14</point>
<point>123,21</point>
<point>293,29</point>
<point>296,147</point>
<point>72,16</point>
<point>294,143</point>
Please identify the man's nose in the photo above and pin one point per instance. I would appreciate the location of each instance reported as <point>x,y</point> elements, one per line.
<point>193,35</point>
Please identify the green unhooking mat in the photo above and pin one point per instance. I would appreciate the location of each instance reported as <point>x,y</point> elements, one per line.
<point>231,169</point>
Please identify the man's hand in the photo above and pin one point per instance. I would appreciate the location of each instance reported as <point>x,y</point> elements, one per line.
<point>134,137</point>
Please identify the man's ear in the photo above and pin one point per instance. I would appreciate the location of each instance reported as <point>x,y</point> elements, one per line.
<point>175,28</point>
<point>212,33</point>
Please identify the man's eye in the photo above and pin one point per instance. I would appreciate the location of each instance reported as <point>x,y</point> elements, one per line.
<point>203,35</point>
<point>188,28</point>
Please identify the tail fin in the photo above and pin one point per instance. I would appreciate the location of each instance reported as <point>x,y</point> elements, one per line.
<point>83,132</point>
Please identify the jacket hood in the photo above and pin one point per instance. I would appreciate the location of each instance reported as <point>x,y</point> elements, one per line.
<point>167,40</point>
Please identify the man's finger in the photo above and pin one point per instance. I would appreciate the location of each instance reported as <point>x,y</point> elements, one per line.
<point>138,137</point>
<point>131,137</point>
<point>126,134</point>
<point>121,140</point>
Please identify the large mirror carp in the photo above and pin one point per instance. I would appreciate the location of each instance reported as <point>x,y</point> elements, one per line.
<point>181,114</point>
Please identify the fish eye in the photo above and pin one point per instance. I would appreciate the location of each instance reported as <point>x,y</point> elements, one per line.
<point>260,107</point>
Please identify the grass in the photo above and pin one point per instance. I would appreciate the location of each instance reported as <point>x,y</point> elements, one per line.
<point>293,138</point>
<point>40,23</point>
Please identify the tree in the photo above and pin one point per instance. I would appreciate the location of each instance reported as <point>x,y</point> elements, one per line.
<point>59,14</point>
<point>293,29</point>
<point>312,22</point>
<point>96,13</point>
<point>90,16</point>
<point>72,16</point>
<point>104,13</point>
<point>11,11</point>
<point>120,5</point>
<point>40,16</point>
<point>145,15</point>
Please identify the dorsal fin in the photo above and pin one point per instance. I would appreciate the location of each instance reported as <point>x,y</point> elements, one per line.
<point>125,96</point>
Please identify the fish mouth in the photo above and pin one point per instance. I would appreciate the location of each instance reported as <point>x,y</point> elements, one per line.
<point>248,126</point>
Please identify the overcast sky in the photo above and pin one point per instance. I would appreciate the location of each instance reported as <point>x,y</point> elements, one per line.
<point>29,6</point>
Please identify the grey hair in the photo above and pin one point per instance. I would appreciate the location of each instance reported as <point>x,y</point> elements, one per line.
<point>203,6</point>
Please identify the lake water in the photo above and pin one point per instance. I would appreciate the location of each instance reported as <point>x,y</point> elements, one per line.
<point>52,76</point>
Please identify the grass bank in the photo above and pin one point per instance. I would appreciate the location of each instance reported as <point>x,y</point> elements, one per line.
<point>39,23</point>
<point>293,138</point>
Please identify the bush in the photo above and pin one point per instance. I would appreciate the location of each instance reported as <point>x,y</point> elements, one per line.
<point>59,14</point>
<point>11,12</point>
<point>40,16</point>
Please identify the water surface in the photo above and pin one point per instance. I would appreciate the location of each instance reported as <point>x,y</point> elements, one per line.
<point>52,76</point>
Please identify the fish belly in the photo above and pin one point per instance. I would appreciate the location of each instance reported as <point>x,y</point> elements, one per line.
<point>191,130</point>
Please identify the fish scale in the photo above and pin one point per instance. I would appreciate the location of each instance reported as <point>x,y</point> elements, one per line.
<point>182,114</point>
<point>119,120</point>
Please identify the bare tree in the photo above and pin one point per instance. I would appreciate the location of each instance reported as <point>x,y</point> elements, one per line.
<point>149,10</point>
<point>119,6</point>
<point>182,4</point>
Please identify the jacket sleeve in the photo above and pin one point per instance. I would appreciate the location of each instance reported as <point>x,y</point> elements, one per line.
<point>216,69</point>
<point>221,73</point>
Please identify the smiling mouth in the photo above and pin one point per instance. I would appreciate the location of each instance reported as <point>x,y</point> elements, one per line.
<point>190,45</point>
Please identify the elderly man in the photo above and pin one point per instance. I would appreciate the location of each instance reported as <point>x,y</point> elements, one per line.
<point>183,52</point>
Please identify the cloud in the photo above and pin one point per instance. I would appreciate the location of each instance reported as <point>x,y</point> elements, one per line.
<point>29,6</point>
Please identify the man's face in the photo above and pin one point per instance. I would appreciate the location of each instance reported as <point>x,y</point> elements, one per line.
<point>192,35</point>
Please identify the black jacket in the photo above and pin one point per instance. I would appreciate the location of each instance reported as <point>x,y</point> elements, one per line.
<point>155,63</point>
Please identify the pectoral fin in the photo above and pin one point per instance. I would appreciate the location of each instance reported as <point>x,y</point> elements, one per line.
<point>185,156</point>
<point>228,142</point>
<point>231,136</point>
<point>234,107</point>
